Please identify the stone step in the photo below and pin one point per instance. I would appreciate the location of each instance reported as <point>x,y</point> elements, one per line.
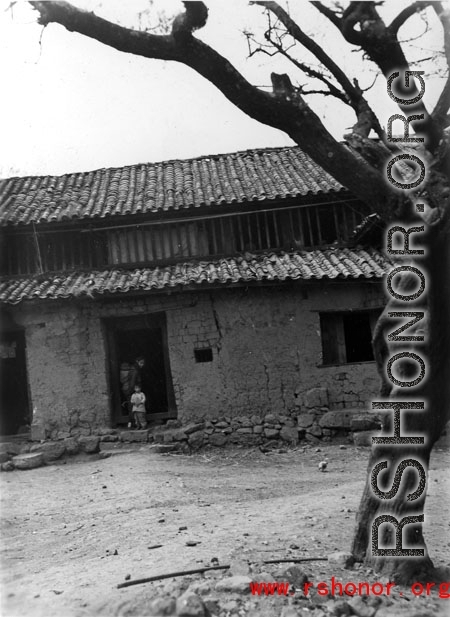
<point>10,447</point>
<point>51,450</point>
<point>29,461</point>
<point>134,436</point>
<point>350,419</point>
<point>161,448</point>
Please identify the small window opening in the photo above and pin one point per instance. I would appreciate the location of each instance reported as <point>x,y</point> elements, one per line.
<point>203,355</point>
<point>347,337</point>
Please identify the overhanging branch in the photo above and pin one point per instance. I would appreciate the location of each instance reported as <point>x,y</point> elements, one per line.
<point>381,45</point>
<point>444,17</point>
<point>280,110</point>
<point>407,12</point>
<point>365,115</point>
<point>123,39</point>
<point>332,90</point>
<point>440,112</point>
<point>329,14</point>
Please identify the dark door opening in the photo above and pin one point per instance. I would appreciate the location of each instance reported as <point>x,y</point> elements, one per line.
<point>14,402</point>
<point>358,337</point>
<point>130,338</point>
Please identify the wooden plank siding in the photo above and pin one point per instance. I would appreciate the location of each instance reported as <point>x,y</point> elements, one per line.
<point>161,242</point>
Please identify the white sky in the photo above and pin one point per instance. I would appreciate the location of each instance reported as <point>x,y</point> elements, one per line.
<point>72,104</point>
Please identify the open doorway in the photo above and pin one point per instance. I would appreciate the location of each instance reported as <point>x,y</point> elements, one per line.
<point>15,415</point>
<point>128,339</point>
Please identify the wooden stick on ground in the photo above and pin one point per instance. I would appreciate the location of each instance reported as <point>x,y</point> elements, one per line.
<point>160,577</point>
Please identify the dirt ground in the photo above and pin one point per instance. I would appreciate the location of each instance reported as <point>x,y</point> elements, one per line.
<point>72,531</point>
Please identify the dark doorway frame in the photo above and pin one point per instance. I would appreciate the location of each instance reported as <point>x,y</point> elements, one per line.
<point>15,395</point>
<point>119,328</point>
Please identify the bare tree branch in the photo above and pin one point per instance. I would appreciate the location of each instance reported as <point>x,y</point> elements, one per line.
<point>106,32</point>
<point>332,90</point>
<point>407,12</point>
<point>366,117</point>
<point>331,15</point>
<point>382,46</point>
<point>350,17</point>
<point>277,48</point>
<point>284,109</point>
<point>444,16</point>
<point>324,92</point>
<point>440,112</point>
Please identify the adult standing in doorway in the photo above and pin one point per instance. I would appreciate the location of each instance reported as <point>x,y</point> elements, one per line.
<point>135,375</point>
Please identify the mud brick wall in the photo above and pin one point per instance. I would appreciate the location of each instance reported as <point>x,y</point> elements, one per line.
<point>66,369</point>
<point>267,351</point>
<point>265,345</point>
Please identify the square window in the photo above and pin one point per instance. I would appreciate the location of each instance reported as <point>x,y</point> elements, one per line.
<point>347,337</point>
<point>203,355</point>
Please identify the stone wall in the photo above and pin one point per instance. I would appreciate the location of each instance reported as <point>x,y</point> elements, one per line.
<point>315,426</point>
<point>269,433</point>
<point>265,344</point>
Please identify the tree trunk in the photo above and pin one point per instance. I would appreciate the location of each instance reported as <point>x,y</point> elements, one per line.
<point>434,392</point>
<point>401,569</point>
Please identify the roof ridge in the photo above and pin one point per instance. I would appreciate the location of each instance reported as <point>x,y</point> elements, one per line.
<point>254,175</point>
<point>159,162</point>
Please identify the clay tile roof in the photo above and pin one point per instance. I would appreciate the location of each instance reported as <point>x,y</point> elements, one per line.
<point>336,263</point>
<point>249,176</point>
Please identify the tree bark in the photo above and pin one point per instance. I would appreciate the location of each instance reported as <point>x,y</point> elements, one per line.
<point>434,391</point>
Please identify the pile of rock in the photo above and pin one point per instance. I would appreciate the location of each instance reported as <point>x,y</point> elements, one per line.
<point>278,430</point>
<point>242,430</point>
<point>285,429</point>
<point>28,455</point>
<point>230,594</point>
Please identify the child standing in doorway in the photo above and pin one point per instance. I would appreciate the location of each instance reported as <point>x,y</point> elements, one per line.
<point>138,407</point>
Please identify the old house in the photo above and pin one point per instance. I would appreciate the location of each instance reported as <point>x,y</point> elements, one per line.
<point>237,277</point>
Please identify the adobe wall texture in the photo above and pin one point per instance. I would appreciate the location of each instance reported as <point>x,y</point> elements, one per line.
<point>66,368</point>
<point>265,342</point>
<point>267,351</point>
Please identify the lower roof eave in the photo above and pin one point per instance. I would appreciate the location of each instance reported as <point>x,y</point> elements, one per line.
<point>111,297</point>
<point>336,264</point>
